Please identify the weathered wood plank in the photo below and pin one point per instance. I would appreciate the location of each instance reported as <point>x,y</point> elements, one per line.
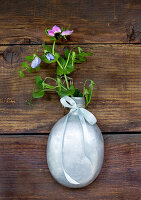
<point>93,21</point>
<point>116,100</point>
<point>25,175</point>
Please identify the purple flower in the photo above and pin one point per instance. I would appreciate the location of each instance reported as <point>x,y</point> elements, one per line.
<point>54,30</point>
<point>67,32</point>
<point>50,57</point>
<point>35,62</point>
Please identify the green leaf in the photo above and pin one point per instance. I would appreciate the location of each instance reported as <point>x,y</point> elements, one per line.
<point>49,49</point>
<point>66,92</point>
<point>61,71</point>
<point>80,57</point>
<point>62,29</point>
<point>62,61</point>
<point>66,53</point>
<point>77,93</point>
<point>44,59</point>
<point>56,56</point>
<point>80,60</point>
<point>69,68</point>
<point>39,81</point>
<point>70,54</point>
<point>24,65</point>
<point>29,58</point>
<point>38,94</point>
<point>37,68</point>
<point>71,90</point>
<point>30,69</point>
<point>21,74</point>
<point>46,31</point>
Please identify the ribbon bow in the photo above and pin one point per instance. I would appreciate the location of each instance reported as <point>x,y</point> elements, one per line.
<point>68,102</point>
<point>84,115</point>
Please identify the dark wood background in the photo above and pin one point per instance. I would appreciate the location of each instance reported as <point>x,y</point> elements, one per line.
<point>111,30</point>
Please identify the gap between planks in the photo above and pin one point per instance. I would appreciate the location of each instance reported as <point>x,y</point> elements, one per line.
<point>39,44</point>
<point>42,134</point>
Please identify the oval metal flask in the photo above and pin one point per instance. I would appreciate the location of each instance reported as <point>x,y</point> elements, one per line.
<point>75,150</point>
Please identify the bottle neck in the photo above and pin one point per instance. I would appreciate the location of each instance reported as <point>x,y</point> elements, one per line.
<point>80,101</point>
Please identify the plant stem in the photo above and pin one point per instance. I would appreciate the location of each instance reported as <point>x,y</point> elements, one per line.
<point>66,81</point>
<point>49,90</point>
<point>67,60</point>
<point>53,47</point>
<point>63,87</point>
<point>59,64</point>
<point>49,78</point>
<point>64,75</point>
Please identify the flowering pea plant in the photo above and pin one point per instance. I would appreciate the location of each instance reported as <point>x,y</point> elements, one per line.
<point>63,84</point>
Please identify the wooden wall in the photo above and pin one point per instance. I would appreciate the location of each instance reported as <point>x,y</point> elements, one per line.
<point>111,30</point>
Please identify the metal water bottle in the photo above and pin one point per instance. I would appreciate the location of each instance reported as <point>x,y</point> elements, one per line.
<point>75,148</point>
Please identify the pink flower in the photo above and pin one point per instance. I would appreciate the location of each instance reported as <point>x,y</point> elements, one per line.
<point>54,30</point>
<point>67,32</point>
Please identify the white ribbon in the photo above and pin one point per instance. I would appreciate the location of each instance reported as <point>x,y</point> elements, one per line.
<point>84,115</point>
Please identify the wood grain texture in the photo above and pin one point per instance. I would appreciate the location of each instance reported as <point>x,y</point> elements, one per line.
<point>94,21</point>
<point>24,173</point>
<point>105,28</point>
<point>116,100</point>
